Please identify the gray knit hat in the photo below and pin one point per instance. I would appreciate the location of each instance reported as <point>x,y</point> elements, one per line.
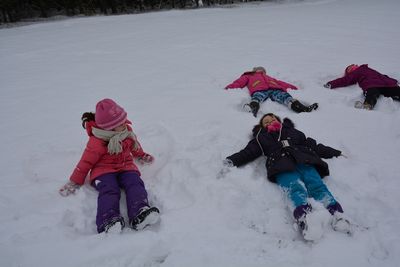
<point>259,68</point>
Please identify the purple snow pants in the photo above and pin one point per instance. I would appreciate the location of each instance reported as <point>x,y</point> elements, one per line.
<point>109,186</point>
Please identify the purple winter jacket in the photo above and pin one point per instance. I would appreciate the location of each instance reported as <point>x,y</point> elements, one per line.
<point>366,78</point>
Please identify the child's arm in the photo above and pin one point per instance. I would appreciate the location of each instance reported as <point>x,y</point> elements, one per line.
<point>238,83</point>
<point>137,152</point>
<point>347,80</point>
<point>322,151</point>
<point>246,155</point>
<point>69,188</point>
<point>89,158</point>
<point>286,85</point>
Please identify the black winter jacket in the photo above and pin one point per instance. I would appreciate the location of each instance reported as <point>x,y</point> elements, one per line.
<point>284,154</point>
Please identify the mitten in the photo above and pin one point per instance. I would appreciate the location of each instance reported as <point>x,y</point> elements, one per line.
<point>146,159</point>
<point>327,85</point>
<point>68,189</point>
<point>228,163</point>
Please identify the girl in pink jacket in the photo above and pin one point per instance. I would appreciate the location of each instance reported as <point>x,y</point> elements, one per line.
<point>261,87</point>
<point>109,158</point>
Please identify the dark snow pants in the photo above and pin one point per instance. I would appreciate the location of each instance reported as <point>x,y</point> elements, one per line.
<point>372,94</point>
<point>109,186</point>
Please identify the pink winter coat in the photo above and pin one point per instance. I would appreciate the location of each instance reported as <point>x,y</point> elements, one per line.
<point>98,161</point>
<point>259,81</point>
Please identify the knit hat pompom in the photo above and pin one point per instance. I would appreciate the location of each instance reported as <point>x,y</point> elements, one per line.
<point>109,115</point>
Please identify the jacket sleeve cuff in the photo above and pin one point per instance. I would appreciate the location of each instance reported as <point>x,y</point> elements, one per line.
<point>78,177</point>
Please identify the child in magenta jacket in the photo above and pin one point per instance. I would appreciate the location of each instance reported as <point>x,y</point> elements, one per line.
<point>109,157</point>
<point>371,82</point>
<point>261,87</point>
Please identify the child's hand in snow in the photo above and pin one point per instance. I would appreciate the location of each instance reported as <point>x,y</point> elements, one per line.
<point>227,165</point>
<point>146,159</point>
<point>68,189</point>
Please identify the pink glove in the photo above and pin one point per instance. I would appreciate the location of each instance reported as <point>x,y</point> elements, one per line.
<point>68,189</point>
<point>146,159</point>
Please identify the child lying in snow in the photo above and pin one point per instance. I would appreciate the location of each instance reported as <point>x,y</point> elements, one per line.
<point>261,87</point>
<point>293,161</point>
<point>371,82</point>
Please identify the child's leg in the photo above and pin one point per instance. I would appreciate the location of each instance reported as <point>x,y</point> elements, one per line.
<point>318,190</point>
<point>286,99</point>
<point>256,99</point>
<point>316,187</point>
<point>261,96</point>
<point>371,96</point>
<point>108,200</point>
<point>393,92</point>
<point>136,195</point>
<point>281,97</point>
<point>290,182</point>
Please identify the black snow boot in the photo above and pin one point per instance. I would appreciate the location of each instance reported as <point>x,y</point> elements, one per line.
<point>115,225</point>
<point>147,216</point>
<point>298,107</point>
<point>252,107</point>
<point>255,106</point>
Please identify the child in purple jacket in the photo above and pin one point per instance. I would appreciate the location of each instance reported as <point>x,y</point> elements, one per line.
<point>371,82</point>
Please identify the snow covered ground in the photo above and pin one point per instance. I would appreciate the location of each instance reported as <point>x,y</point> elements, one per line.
<point>168,70</point>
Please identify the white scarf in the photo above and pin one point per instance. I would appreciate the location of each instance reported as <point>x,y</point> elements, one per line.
<point>115,139</point>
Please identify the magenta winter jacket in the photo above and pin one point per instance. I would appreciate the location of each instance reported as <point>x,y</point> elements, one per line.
<point>259,81</point>
<point>366,78</point>
<point>98,161</point>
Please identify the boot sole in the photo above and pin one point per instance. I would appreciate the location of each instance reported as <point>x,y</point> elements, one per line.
<point>150,219</point>
<point>246,107</point>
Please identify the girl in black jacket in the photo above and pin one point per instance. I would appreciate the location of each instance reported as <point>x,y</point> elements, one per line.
<point>293,161</point>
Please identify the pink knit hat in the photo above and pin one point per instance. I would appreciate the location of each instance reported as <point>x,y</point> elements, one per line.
<point>350,68</point>
<point>109,115</point>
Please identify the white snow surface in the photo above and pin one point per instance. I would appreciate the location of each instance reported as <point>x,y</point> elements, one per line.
<point>168,70</point>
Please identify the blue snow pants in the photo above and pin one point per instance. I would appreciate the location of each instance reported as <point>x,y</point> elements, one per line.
<point>305,182</point>
<point>276,95</point>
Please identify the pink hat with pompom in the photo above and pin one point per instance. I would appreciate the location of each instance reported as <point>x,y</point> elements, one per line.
<point>109,115</point>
